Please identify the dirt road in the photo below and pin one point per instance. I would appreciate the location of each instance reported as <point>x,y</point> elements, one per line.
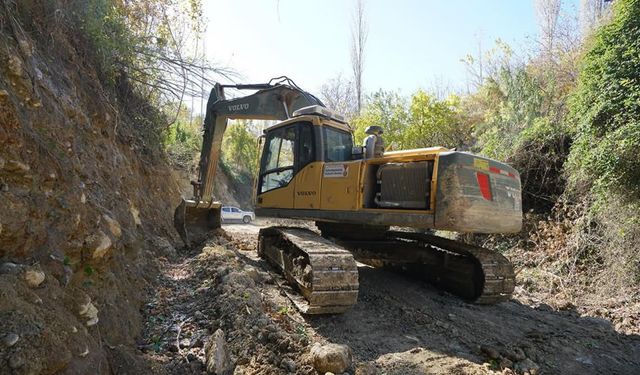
<point>403,326</point>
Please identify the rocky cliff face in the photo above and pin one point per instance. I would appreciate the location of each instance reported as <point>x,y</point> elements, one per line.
<point>86,201</point>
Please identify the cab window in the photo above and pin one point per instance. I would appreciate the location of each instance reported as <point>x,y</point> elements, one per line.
<point>307,149</point>
<point>337,144</point>
<point>278,161</point>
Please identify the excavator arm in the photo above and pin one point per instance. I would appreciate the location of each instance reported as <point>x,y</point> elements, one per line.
<point>273,101</point>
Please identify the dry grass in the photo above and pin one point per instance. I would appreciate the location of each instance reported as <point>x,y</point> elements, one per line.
<point>578,258</point>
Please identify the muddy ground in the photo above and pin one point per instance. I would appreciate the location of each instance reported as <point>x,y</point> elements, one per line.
<point>399,326</point>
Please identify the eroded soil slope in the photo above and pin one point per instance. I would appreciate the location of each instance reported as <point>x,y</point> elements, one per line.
<point>85,200</point>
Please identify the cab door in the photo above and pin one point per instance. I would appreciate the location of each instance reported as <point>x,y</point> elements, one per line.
<point>277,165</point>
<point>340,174</point>
<point>308,177</point>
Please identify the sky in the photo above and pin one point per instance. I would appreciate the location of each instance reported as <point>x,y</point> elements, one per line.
<point>411,44</point>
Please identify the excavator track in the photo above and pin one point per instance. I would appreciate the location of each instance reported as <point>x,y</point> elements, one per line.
<point>474,273</point>
<point>324,273</point>
<point>498,279</point>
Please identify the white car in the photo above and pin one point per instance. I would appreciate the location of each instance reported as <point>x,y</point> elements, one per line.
<point>234,213</point>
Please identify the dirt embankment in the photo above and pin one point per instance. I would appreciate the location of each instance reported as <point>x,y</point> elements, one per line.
<point>85,200</point>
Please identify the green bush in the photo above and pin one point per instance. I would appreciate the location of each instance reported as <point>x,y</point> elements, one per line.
<point>606,108</point>
<point>240,152</point>
<point>421,121</point>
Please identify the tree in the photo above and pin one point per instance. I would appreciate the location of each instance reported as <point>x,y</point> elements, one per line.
<point>148,43</point>
<point>422,121</point>
<point>338,94</point>
<point>388,110</point>
<point>359,32</point>
<point>591,12</point>
<point>239,149</point>
<point>548,12</point>
<point>435,122</point>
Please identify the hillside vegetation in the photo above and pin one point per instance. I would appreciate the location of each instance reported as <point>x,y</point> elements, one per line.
<point>567,116</point>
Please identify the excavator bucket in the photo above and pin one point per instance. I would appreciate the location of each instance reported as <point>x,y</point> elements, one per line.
<point>193,220</point>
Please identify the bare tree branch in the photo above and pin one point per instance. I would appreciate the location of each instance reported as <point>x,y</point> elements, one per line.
<point>359,33</point>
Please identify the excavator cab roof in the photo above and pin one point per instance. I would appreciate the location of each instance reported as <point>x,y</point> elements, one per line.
<point>317,115</point>
<point>320,111</point>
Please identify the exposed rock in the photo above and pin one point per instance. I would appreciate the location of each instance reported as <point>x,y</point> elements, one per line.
<point>505,363</point>
<point>527,366</point>
<point>135,213</point>
<point>252,273</point>
<point>164,247</point>
<point>84,353</point>
<point>15,66</point>
<point>100,242</point>
<point>10,339</point>
<point>10,268</point>
<point>366,369</point>
<point>490,352</point>
<point>515,355</point>
<point>113,224</point>
<point>217,355</point>
<point>34,277</point>
<point>90,312</point>
<point>289,365</point>
<point>185,343</point>
<point>16,166</point>
<point>16,361</point>
<point>331,358</point>
<point>26,48</point>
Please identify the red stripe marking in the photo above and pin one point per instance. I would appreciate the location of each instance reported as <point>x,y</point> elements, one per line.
<point>485,187</point>
<point>501,171</point>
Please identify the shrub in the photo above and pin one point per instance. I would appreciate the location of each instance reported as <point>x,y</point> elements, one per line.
<point>606,108</point>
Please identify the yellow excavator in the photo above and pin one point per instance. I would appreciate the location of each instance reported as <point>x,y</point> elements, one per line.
<point>366,202</point>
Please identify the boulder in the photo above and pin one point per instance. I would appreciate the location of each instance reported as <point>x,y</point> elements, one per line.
<point>101,243</point>
<point>113,224</point>
<point>331,358</point>
<point>527,366</point>
<point>10,339</point>
<point>90,312</point>
<point>34,277</point>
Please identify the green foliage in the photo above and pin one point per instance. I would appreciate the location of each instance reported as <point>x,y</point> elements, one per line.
<point>88,270</point>
<point>606,108</point>
<point>434,122</point>
<point>183,139</point>
<point>146,43</point>
<point>386,109</point>
<point>513,102</point>
<point>422,121</point>
<point>111,42</point>
<point>240,151</point>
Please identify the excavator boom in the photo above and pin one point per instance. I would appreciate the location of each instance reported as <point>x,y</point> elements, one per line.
<point>273,101</point>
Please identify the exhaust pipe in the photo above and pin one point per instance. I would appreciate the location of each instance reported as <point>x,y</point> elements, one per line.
<point>194,219</point>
